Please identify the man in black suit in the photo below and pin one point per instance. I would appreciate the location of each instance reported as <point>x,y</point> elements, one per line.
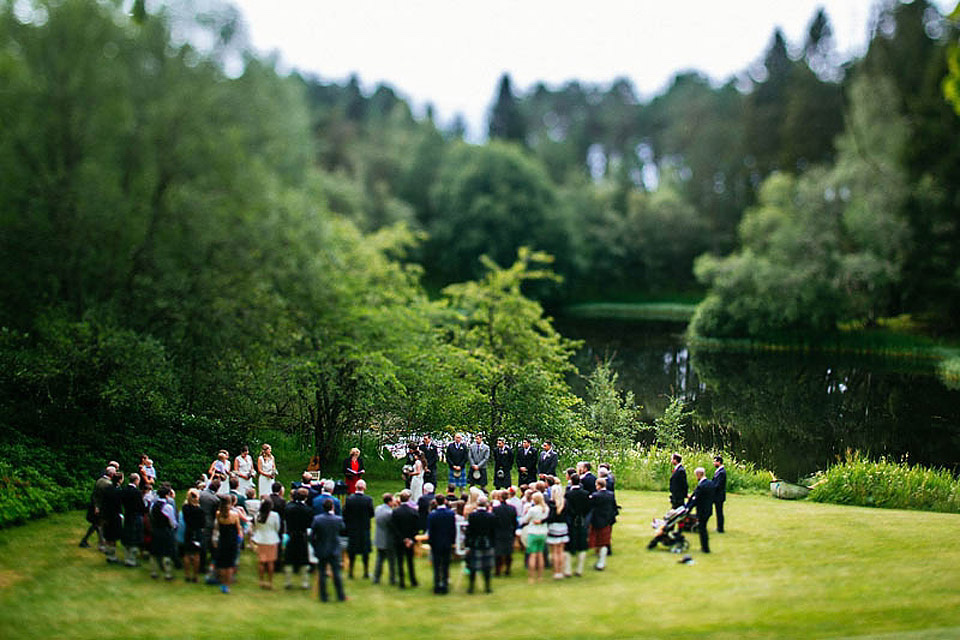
<point>719,489</point>
<point>297,518</point>
<point>357,513</point>
<point>502,464</point>
<point>587,480</point>
<point>678,482</point>
<point>404,524</point>
<point>457,461</point>
<point>325,532</point>
<point>702,499</point>
<point>133,512</point>
<point>576,510</point>
<point>442,532</point>
<point>526,463</point>
<point>603,514</point>
<point>547,463</point>
<point>432,456</point>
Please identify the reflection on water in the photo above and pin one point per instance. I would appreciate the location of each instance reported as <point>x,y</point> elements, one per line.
<point>793,413</point>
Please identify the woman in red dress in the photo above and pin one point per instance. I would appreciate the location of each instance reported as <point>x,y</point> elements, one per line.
<point>353,470</point>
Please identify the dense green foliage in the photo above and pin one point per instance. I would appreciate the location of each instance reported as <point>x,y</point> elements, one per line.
<point>860,481</point>
<point>183,265</point>
<point>190,255</point>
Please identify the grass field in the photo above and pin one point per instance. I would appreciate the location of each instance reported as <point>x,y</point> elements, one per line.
<point>783,570</point>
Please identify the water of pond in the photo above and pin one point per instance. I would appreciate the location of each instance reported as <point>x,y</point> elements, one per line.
<point>793,413</point>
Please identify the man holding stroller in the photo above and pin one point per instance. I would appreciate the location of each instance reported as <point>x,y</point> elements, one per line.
<point>702,499</point>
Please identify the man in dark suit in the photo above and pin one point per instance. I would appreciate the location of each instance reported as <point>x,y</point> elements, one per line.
<point>424,503</point>
<point>526,463</point>
<point>457,461</point>
<point>442,531</point>
<point>719,489</point>
<point>133,511</point>
<point>576,510</point>
<point>357,513</point>
<point>325,536</point>
<point>547,463</point>
<point>678,482</point>
<point>502,464</point>
<point>297,518</point>
<point>209,503</point>
<point>432,456</point>
<point>603,514</point>
<point>702,499</point>
<point>404,524</point>
<point>587,480</point>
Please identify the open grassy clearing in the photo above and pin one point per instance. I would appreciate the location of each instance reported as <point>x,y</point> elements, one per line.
<point>783,569</point>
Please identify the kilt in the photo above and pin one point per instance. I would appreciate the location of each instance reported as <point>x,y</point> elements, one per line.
<point>480,559</point>
<point>599,537</point>
<point>459,482</point>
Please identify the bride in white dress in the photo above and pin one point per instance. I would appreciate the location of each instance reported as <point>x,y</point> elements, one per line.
<point>416,478</point>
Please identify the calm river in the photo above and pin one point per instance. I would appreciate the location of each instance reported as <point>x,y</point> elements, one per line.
<point>792,413</point>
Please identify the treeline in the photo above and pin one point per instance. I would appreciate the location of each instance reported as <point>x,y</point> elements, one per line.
<point>821,190</point>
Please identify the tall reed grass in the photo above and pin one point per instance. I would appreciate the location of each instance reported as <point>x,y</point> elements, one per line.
<point>886,484</point>
<point>649,469</point>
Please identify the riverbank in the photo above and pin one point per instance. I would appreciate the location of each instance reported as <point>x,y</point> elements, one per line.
<point>782,570</point>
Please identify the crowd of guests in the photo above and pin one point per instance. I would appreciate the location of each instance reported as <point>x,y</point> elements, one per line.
<point>553,520</point>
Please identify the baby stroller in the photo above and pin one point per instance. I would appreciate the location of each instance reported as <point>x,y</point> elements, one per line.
<point>670,529</point>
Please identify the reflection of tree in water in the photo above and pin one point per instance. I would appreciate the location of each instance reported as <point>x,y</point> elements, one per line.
<point>796,413</point>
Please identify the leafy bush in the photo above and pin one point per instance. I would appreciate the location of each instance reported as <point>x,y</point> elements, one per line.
<point>889,485</point>
<point>26,493</point>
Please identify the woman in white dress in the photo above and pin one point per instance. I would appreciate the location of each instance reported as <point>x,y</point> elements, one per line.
<point>416,477</point>
<point>243,468</point>
<point>267,468</point>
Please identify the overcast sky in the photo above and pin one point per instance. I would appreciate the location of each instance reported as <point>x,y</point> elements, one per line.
<point>451,53</point>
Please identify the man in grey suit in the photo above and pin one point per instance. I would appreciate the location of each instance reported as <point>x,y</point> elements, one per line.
<point>383,540</point>
<point>478,456</point>
<point>325,536</point>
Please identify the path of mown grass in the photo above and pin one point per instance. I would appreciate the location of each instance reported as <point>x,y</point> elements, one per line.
<point>784,570</point>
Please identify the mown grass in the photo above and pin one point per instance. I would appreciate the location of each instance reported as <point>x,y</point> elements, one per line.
<point>783,570</point>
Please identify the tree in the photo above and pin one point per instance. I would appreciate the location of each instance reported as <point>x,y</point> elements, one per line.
<point>825,247</point>
<point>506,119</point>
<point>519,361</point>
<point>490,200</point>
<point>609,415</point>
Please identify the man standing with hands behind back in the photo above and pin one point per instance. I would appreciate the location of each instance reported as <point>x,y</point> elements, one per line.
<point>719,490</point>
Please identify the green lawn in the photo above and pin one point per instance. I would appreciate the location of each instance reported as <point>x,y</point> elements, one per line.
<point>783,570</point>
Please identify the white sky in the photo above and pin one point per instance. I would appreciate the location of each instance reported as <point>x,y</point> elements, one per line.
<point>452,52</point>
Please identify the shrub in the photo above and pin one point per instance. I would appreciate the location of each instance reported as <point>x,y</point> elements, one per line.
<point>26,493</point>
<point>889,485</point>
